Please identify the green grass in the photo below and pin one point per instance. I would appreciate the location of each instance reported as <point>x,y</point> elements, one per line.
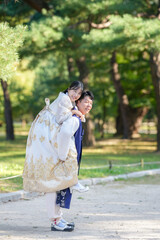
<point>12,156</point>
<point>104,172</point>
<point>118,151</point>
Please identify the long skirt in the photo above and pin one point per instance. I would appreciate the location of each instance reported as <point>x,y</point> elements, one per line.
<point>43,170</point>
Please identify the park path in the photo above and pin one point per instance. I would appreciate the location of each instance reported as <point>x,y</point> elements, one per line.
<point>117,210</point>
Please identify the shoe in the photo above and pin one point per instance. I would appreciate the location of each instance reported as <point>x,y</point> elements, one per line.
<point>61,227</point>
<point>67,223</point>
<point>79,187</point>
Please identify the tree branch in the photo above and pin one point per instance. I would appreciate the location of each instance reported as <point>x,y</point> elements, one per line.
<point>101,25</point>
<point>104,24</point>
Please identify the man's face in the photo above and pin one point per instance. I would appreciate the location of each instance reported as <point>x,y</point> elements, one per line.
<point>85,105</point>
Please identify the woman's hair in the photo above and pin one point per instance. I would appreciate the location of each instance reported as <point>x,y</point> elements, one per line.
<point>74,86</point>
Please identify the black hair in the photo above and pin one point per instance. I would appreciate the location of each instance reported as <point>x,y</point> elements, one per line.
<point>74,86</point>
<point>86,94</point>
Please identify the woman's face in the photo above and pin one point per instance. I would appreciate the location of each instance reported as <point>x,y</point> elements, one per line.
<point>74,94</point>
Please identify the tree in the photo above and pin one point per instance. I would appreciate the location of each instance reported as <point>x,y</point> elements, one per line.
<point>131,111</point>
<point>155,71</point>
<point>66,38</point>
<point>123,99</point>
<point>11,39</point>
<point>127,34</point>
<point>85,29</point>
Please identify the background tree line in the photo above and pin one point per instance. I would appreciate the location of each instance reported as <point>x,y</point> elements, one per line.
<point>111,46</point>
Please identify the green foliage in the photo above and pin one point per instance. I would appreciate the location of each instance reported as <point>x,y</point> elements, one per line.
<point>126,32</point>
<point>135,74</point>
<point>16,13</point>
<point>51,78</point>
<point>44,37</point>
<point>104,94</point>
<point>10,41</point>
<point>68,31</point>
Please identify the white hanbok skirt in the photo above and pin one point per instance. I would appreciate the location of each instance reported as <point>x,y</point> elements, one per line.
<point>43,171</point>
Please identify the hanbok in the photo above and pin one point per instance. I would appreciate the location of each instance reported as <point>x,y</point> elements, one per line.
<point>43,170</point>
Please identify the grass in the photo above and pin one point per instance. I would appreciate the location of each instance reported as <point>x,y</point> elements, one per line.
<point>94,173</point>
<point>12,156</point>
<point>118,151</point>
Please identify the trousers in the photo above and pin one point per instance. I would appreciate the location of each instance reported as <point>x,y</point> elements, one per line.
<point>53,209</point>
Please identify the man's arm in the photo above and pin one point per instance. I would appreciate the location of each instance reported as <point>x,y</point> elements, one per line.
<point>68,129</point>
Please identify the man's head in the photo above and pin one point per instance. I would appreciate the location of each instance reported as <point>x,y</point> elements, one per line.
<point>85,102</point>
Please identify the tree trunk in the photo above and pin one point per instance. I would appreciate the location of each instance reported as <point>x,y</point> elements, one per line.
<point>122,97</point>
<point>129,119</point>
<point>134,118</point>
<point>155,72</point>
<point>83,71</point>
<point>70,67</point>
<point>37,4</point>
<point>104,109</point>
<point>89,139</point>
<point>7,112</point>
<point>119,123</point>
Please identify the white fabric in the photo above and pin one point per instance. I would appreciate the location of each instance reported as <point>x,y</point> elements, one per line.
<point>43,172</point>
<point>54,210</point>
<point>61,108</point>
<point>65,137</point>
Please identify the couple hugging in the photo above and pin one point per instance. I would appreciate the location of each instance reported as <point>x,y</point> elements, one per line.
<point>53,151</point>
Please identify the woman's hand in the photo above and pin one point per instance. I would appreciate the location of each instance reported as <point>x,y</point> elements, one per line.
<point>77,113</point>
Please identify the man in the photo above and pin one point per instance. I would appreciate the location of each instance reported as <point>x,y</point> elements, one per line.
<point>71,130</point>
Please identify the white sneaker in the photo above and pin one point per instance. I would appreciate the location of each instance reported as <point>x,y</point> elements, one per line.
<point>60,226</point>
<point>67,223</point>
<point>79,187</point>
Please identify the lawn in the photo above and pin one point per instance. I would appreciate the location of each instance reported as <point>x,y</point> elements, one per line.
<point>95,160</point>
<point>119,153</point>
<point>12,156</point>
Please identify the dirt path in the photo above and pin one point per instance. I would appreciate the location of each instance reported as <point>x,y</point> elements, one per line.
<point>118,210</point>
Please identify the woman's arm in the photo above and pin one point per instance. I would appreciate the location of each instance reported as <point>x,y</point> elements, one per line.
<point>63,109</point>
<point>67,130</point>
